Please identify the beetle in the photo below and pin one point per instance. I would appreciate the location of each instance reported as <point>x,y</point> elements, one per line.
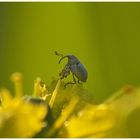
<point>75,67</point>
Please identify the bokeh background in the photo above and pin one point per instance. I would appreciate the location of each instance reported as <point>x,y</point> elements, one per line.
<point>104,36</point>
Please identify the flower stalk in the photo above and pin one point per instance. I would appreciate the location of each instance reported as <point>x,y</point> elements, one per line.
<point>54,94</point>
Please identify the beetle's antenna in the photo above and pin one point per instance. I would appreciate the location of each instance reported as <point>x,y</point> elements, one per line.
<point>62,58</point>
<point>58,54</point>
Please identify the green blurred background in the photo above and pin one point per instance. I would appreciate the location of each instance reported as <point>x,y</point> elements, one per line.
<point>104,36</point>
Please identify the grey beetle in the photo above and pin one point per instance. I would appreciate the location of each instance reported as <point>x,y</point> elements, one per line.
<point>75,67</point>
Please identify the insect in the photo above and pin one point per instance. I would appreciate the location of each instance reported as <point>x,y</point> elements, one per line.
<point>73,66</point>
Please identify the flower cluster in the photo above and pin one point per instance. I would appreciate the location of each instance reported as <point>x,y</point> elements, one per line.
<point>55,111</point>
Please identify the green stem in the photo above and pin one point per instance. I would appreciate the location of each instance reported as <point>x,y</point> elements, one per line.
<point>66,112</point>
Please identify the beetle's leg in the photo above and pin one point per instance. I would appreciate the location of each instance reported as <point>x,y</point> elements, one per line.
<point>79,82</point>
<point>65,72</point>
<point>70,82</point>
<point>74,78</point>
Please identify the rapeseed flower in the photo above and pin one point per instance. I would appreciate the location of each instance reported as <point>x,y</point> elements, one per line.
<point>55,111</point>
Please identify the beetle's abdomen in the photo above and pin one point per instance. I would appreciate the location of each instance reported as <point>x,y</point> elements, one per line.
<point>79,71</point>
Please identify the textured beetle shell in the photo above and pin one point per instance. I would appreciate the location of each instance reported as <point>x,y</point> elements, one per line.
<point>79,71</point>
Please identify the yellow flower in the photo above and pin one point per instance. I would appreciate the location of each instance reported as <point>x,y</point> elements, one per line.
<point>19,118</point>
<point>108,119</point>
<point>69,112</point>
<point>92,121</point>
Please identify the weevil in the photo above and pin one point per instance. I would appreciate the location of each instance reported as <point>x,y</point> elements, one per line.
<point>75,67</point>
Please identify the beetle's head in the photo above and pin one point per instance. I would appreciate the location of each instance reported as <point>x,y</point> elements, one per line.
<point>71,59</point>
